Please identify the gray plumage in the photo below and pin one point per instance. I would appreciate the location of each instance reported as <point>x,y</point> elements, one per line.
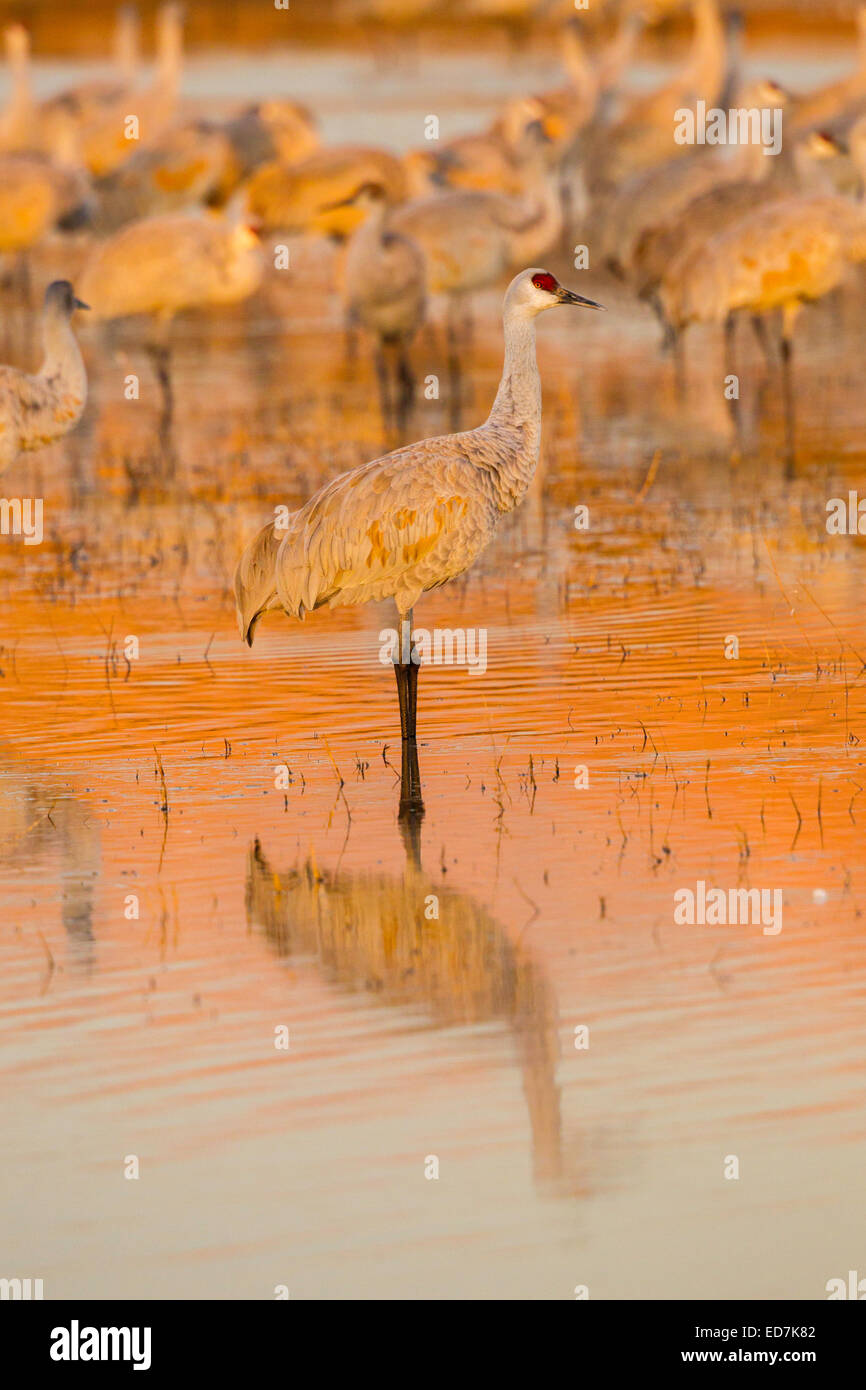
<point>36,410</point>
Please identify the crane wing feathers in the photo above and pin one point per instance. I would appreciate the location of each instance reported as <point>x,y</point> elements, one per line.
<point>254,579</point>
<point>392,528</point>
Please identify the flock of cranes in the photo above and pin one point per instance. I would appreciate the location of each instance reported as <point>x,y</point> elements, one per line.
<point>179,210</point>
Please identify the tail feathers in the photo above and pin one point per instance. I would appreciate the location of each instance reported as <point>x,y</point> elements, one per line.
<point>254,583</point>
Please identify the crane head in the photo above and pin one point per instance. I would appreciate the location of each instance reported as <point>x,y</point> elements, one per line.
<point>60,299</point>
<point>533,291</point>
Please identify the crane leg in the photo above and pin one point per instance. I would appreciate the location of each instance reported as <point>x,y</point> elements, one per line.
<point>789,316</point>
<point>468,324</point>
<point>760,330</point>
<point>788,398</point>
<point>25,279</point>
<point>407,693</point>
<point>384,387</point>
<point>406,394</point>
<point>160,356</point>
<point>407,682</point>
<point>411,801</point>
<point>733,402</point>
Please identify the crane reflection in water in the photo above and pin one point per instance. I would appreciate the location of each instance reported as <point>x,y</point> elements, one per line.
<point>368,930</point>
<point>41,828</point>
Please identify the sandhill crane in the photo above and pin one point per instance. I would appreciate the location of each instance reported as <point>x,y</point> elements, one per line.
<point>87,101</point>
<point>193,162</point>
<point>712,212</point>
<point>16,118</point>
<point>643,133</point>
<point>775,258</point>
<point>415,518</point>
<point>163,265</point>
<point>54,833</point>
<point>314,193</point>
<point>104,137</point>
<point>37,194</point>
<point>656,197</point>
<point>36,410</point>
<point>384,290</point>
<point>492,160</point>
<point>822,107</point>
<point>573,116</point>
<point>467,971</point>
<point>489,160</point>
<point>280,130</point>
<point>28,205</point>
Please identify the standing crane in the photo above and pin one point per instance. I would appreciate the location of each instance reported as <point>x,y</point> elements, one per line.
<point>384,279</point>
<point>417,517</point>
<point>161,266</point>
<point>777,257</point>
<point>90,99</point>
<point>102,132</point>
<point>36,410</point>
<point>16,118</point>
<point>470,239</point>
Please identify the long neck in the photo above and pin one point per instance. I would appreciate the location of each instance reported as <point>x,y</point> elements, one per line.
<point>62,365</point>
<point>126,44</point>
<point>707,61</point>
<point>518,400</point>
<point>372,229</point>
<point>21,96</point>
<point>542,228</point>
<point>517,411</point>
<point>576,61</point>
<point>169,57</point>
<point>619,52</point>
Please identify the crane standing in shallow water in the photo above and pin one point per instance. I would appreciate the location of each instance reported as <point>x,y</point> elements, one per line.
<point>36,410</point>
<point>384,290</point>
<point>417,517</point>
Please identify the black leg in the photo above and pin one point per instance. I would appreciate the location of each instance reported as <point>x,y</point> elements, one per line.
<point>406,395</point>
<point>407,694</point>
<point>384,388</point>
<point>760,330</point>
<point>411,811</point>
<point>412,699</point>
<point>733,403</point>
<point>25,281</point>
<point>406,672</point>
<point>160,356</point>
<point>402,674</point>
<point>788,397</point>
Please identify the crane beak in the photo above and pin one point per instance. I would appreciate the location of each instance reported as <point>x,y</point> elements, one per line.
<point>569,297</point>
<point>80,304</point>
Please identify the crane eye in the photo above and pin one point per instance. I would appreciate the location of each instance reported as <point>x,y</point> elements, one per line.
<point>546,281</point>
